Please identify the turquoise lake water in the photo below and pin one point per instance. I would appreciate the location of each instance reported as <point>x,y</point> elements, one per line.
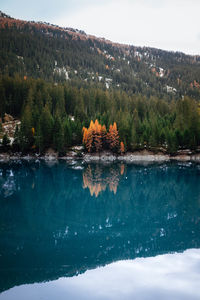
<point>99,231</point>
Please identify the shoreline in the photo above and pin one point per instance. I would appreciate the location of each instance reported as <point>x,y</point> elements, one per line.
<point>77,154</point>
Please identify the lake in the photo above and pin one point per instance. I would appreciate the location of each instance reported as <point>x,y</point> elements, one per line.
<point>93,231</point>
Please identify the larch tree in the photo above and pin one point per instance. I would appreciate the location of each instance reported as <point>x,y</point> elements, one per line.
<point>93,137</point>
<point>104,136</point>
<point>113,138</point>
<point>97,136</point>
<point>122,148</point>
<point>90,137</point>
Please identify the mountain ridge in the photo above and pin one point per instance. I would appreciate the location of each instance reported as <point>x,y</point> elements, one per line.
<point>44,50</point>
<point>48,75</point>
<point>79,33</point>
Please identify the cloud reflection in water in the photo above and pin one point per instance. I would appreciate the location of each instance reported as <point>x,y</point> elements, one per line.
<point>170,276</point>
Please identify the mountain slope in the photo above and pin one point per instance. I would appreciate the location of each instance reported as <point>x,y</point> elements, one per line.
<point>58,54</point>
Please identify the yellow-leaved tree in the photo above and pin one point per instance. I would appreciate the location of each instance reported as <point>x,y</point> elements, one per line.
<point>96,138</point>
<point>93,136</point>
<point>113,138</point>
<point>122,148</point>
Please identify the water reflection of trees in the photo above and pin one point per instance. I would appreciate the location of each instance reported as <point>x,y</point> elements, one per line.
<point>51,227</point>
<point>97,180</point>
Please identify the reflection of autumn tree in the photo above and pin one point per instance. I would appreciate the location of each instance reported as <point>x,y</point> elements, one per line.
<point>96,180</point>
<point>122,168</point>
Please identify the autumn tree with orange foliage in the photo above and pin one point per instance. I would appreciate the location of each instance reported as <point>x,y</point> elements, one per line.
<point>113,138</point>
<point>93,136</point>
<point>122,148</point>
<point>88,135</point>
<point>84,130</point>
<point>96,138</point>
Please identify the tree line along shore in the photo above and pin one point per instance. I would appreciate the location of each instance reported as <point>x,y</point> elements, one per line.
<point>60,116</point>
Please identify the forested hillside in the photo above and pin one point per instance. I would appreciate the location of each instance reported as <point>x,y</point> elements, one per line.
<point>56,80</point>
<point>54,115</point>
<point>60,54</point>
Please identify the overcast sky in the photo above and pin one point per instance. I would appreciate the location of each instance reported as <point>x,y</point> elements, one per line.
<point>166,24</point>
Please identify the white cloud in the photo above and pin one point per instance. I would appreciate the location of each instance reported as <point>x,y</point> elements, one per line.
<point>170,276</point>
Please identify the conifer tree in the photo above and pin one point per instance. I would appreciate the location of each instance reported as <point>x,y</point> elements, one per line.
<point>58,135</point>
<point>67,133</point>
<point>26,135</point>
<point>104,136</point>
<point>90,137</point>
<point>93,136</point>
<point>85,132</point>
<point>46,128</point>
<point>113,137</point>
<point>122,148</point>
<point>97,136</point>
<point>5,142</point>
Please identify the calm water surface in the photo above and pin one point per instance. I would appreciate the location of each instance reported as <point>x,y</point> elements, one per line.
<point>99,232</point>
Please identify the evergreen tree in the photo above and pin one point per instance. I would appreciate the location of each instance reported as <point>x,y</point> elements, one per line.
<point>58,135</point>
<point>5,142</point>
<point>26,136</point>
<point>46,128</point>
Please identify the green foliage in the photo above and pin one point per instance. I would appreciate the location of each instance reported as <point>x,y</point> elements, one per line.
<point>55,84</point>
<point>40,51</point>
<point>44,131</point>
<point>5,142</point>
<point>58,135</point>
<point>26,136</point>
<point>53,116</point>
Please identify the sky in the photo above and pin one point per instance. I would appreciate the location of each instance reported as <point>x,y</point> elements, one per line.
<point>165,24</point>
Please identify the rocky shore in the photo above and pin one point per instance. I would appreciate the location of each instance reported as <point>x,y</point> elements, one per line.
<point>77,154</point>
